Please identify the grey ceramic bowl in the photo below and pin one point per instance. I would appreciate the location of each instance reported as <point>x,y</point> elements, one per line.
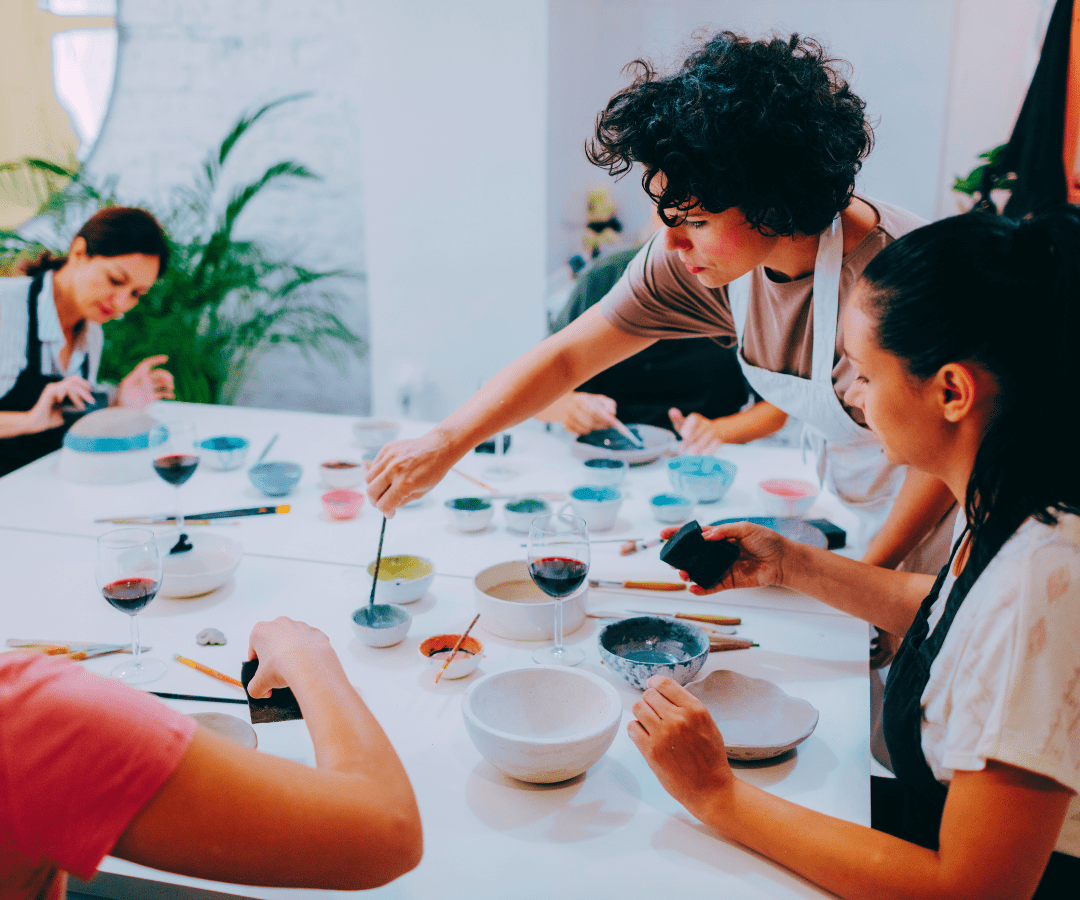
<point>225,452</point>
<point>275,479</point>
<point>644,646</point>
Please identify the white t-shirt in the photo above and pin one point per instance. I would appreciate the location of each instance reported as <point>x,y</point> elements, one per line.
<point>1006,682</point>
<point>14,322</point>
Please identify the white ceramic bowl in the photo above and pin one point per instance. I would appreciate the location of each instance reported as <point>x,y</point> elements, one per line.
<point>544,724</point>
<point>437,649</point>
<point>341,473</point>
<point>511,606</point>
<point>604,470</point>
<point>391,624</point>
<point>371,434</point>
<point>199,571</point>
<point>671,508</point>
<point>402,579</point>
<point>110,446</point>
<point>787,496</point>
<point>470,513</point>
<point>597,504</point>
<point>519,514</point>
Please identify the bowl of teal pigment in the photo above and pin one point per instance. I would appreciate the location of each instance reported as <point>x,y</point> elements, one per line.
<point>644,646</point>
<point>469,513</point>
<point>519,514</point>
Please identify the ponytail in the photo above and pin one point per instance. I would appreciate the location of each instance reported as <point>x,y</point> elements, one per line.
<point>1004,294</point>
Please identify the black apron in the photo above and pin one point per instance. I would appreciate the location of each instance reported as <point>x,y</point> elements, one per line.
<point>920,796</point>
<point>25,448</point>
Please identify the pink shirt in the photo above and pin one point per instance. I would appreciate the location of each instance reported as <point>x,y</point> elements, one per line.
<point>80,756</point>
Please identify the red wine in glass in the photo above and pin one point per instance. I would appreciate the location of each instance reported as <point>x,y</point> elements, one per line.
<point>558,576</point>
<point>176,468</point>
<point>130,594</point>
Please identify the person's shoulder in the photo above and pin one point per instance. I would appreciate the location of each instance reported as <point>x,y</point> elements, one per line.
<point>893,221</point>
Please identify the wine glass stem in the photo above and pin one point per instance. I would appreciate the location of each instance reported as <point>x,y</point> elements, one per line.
<point>558,625</point>
<point>136,648</point>
<point>179,511</point>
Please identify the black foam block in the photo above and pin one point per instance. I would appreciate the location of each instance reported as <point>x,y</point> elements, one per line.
<point>706,562</point>
<point>280,706</point>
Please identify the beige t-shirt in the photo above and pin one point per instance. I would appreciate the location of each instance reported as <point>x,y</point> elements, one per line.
<point>658,297</point>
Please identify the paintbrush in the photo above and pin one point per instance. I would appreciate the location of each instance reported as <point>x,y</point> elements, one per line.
<point>162,518</point>
<point>457,647</point>
<point>628,434</point>
<point>634,546</point>
<point>639,585</point>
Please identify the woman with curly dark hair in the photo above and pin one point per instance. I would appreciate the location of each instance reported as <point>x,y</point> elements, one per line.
<point>750,151</point>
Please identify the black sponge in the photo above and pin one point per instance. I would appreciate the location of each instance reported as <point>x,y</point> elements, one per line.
<point>706,562</point>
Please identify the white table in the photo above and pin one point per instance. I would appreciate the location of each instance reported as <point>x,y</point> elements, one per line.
<point>613,831</point>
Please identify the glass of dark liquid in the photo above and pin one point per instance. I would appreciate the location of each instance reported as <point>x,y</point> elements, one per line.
<point>558,565</point>
<point>128,575</point>
<point>176,460</point>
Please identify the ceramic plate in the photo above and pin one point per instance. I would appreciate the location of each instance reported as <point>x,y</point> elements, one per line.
<point>608,442</point>
<point>756,718</point>
<point>790,527</point>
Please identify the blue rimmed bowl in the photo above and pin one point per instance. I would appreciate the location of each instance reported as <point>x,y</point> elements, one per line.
<point>644,646</point>
<point>275,479</point>
<point>224,452</point>
<point>704,479</point>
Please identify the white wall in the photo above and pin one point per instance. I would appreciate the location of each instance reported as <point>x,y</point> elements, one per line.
<point>943,79</point>
<point>186,70</point>
<point>453,154</point>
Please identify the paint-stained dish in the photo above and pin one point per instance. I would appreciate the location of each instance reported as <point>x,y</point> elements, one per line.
<point>607,442</point>
<point>757,719</point>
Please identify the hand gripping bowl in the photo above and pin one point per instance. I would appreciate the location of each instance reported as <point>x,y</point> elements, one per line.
<point>544,724</point>
<point>644,646</point>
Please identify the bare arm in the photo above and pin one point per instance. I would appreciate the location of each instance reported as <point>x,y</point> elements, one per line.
<point>236,815</point>
<point>45,413</point>
<point>701,435</point>
<point>405,470</point>
<point>919,506</point>
<point>997,833</point>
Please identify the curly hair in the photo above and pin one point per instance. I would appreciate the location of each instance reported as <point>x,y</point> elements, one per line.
<point>767,126</point>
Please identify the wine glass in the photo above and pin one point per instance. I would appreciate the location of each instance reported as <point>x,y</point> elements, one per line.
<point>558,564</point>
<point>176,460</point>
<point>128,575</point>
<point>498,470</point>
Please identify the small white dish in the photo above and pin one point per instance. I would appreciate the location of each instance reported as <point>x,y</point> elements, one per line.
<point>519,514</point>
<point>341,473</point>
<point>385,625</point>
<point>757,719</point>
<point>437,649</point>
<point>787,496</point>
<point>597,504</point>
<point>671,508</point>
<point>402,579</point>
<point>469,513</point>
<point>604,470</point>
<point>198,571</point>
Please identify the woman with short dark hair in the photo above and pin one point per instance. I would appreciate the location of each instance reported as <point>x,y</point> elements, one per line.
<point>50,329</point>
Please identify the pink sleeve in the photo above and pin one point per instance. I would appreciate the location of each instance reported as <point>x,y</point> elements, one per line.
<point>80,756</point>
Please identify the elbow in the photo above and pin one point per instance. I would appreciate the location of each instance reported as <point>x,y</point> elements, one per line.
<point>385,853</point>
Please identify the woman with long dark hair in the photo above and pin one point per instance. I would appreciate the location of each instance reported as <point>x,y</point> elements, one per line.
<point>50,329</point>
<point>963,336</point>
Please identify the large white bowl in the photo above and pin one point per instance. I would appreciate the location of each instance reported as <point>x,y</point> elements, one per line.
<point>199,571</point>
<point>543,724</point>
<point>511,606</point>
<point>110,446</point>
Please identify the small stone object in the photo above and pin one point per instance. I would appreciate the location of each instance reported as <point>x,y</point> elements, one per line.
<point>210,636</point>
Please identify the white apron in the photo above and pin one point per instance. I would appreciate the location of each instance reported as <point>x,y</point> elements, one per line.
<point>850,460</point>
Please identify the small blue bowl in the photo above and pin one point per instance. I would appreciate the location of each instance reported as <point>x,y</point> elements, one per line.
<point>704,479</point>
<point>225,452</point>
<point>644,646</point>
<point>275,479</point>
<point>605,471</point>
<point>671,508</point>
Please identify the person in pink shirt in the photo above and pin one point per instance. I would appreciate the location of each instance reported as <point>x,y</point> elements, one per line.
<point>90,767</point>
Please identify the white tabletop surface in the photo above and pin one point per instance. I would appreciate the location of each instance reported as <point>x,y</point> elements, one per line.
<point>613,831</point>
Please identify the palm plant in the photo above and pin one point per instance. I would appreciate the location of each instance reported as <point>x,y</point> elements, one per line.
<point>222,301</point>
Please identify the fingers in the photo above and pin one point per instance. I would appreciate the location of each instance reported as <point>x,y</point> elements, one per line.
<point>677,419</point>
<point>151,362</point>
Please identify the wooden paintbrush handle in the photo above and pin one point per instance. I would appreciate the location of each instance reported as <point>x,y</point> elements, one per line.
<point>712,620</point>
<point>655,585</point>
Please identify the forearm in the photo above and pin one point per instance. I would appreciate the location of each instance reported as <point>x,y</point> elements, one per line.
<point>880,596</point>
<point>922,502</point>
<point>555,412</point>
<point>760,420</point>
<point>13,424</point>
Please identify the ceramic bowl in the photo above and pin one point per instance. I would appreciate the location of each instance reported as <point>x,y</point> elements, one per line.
<point>342,503</point>
<point>234,729</point>
<point>201,570</point>
<point>704,479</point>
<point>225,452</point>
<point>644,646</point>
<point>519,514</point>
<point>469,513</point>
<point>758,720</point>
<point>402,579</point>
<point>110,446</point>
<point>275,479</point>
<point>604,470</point>
<point>511,606</point>
<point>371,434</point>
<point>671,508</point>
<point>597,504</point>
<point>436,650</point>
<point>542,725</point>
<point>385,625</point>
<point>787,496</point>
<point>341,473</point>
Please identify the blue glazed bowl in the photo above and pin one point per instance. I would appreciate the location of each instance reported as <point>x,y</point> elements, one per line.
<point>671,508</point>
<point>225,452</point>
<point>275,479</point>
<point>704,479</point>
<point>644,646</point>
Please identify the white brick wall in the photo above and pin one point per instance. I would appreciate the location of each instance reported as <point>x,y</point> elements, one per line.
<point>186,70</point>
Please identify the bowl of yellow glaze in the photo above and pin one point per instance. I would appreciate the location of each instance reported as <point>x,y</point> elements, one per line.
<point>402,579</point>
